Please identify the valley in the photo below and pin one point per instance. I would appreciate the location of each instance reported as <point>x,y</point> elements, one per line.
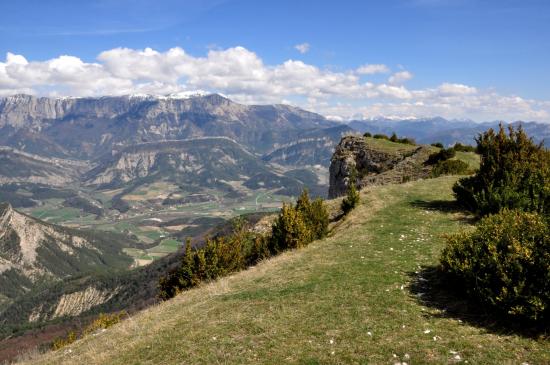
<point>110,190</point>
<point>162,228</point>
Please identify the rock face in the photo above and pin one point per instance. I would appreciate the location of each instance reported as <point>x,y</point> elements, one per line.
<point>374,162</point>
<point>88,127</point>
<point>213,162</point>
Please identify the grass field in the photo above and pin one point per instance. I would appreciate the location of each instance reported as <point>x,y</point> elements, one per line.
<point>389,146</point>
<point>355,297</point>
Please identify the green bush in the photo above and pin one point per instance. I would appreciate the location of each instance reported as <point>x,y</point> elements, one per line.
<point>314,214</point>
<point>514,173</point>
<point>450,167</point>
<point>438,144</point>
<point>258,251</point>
<point>504,264</point>
<point>380,136</point>
<point>295,227</point>
<point>396,139</point>
<point>442,155</point>
<point>367,134</point>
<point>407,141</point>
<point>352,198</point>
<point>459,147</point>
<point>289,230</point>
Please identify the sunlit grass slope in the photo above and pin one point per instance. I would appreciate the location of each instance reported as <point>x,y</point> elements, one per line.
<point>345,299</point>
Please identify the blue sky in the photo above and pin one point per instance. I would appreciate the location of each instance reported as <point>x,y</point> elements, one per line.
<point>498,49</point>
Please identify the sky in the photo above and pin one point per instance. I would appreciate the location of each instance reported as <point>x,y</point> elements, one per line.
<point>461,59</point>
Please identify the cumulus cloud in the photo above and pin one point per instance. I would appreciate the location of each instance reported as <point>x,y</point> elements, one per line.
<point>400,77</point>
<point>243,76</point>
<point>303,48</point>
<point>372,69</point>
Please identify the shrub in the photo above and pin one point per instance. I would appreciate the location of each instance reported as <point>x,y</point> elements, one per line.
<point>459,147</point>
<point>410,141</point>
<point>514,173</point>
<point>61,342</point>
<point>381,136</point>
<point>504,264</point>
<point>314,214</point>
<point>367,134</point>
<point>104,320</point>
<point>259,250</point>
<point>438,144</point>
<point>396,139</point>
<point>295,227</point>
<point>289,230</point>
<point>442,155</point>
<point>450,167</point>
<point>352,198</point>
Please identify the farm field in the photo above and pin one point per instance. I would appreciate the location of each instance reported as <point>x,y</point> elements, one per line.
<point>149,221</point>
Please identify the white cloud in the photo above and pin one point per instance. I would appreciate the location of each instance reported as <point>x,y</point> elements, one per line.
<point>456,89</point>
<point>400,77</point>
<point>372,69</point>
<point>243,76</point>
<point>303,48</point>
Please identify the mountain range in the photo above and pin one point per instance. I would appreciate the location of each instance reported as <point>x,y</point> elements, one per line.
<point>448,132</point>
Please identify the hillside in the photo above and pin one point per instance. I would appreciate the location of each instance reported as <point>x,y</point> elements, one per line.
<point>363,295</point>
<point>19,166</point>
<point>33,252</point>
<point>218,163</point>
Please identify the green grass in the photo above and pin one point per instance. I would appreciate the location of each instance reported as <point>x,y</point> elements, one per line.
<point>389,146</point>
<point>345,299</point>
<point>470,158</point>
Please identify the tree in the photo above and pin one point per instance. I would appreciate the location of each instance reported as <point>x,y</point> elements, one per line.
<point>289,230</point>
<point>315,215</point>
<point>514,173</point>
<point>352,198</point>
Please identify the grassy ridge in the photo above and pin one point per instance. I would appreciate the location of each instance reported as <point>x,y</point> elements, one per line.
<point>345,299</point>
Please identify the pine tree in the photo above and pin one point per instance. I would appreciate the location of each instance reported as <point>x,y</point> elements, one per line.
<point>352,198</point>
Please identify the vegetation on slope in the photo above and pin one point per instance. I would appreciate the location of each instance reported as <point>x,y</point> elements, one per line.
<point>514,173</point>
<point>360,296</point>
<point>505,263</point>
<point>295,227</point>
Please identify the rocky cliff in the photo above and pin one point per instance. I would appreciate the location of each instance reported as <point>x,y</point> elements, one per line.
<point>375,162</point>
<point>88,127</point>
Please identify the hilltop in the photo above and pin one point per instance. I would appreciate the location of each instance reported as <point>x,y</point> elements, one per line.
<point>360,295</point>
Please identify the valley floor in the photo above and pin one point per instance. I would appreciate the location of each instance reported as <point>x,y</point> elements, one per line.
<point>358,296</point>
